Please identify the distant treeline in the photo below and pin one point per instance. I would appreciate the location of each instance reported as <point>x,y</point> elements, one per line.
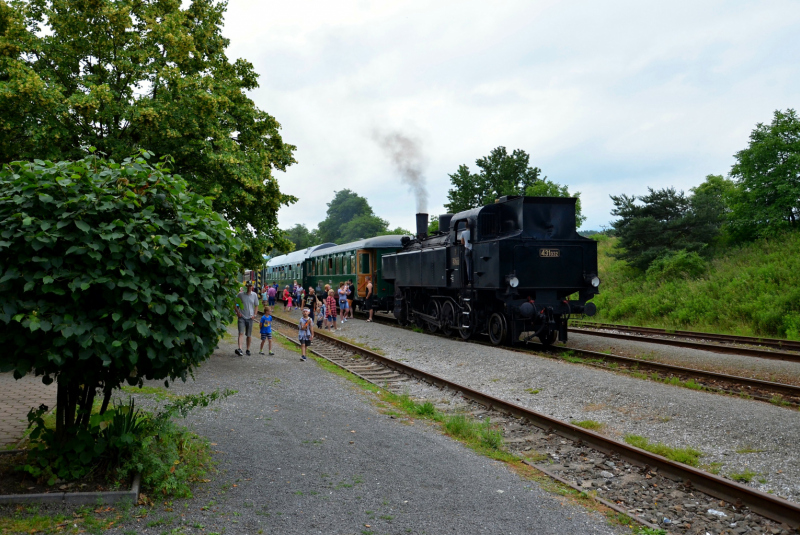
<point>349,218</point>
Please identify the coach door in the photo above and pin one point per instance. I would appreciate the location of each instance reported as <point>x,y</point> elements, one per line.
<point>365,260</point>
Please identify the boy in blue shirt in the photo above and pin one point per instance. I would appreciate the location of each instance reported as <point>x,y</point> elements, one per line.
<point>266,330</point>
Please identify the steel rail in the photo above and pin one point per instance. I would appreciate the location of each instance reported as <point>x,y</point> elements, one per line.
<point>714,348</point>
<point>767,505</point>
<point>723,338</point>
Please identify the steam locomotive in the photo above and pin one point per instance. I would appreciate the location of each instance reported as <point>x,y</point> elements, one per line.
<point>512,270</point>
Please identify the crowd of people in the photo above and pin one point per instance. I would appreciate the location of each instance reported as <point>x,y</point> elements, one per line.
<point>321,306</point>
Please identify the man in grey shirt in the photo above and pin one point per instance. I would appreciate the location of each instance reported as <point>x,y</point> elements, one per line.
<point>246,309</point>
<point>467,253</point>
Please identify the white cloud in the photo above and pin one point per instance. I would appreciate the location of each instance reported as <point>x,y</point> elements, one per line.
<point>607,97</point>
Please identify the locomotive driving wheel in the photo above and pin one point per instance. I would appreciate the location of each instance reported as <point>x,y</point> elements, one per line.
<point>498,329</point>
<point>433,309</point>
<point>447,317</point>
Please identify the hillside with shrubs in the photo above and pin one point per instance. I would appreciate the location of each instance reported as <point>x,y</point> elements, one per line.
<point>752,289</point>
<point>724,257</point>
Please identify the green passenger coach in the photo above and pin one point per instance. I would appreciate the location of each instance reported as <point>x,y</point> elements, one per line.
<point>286,269</point>
<point>354,261</point>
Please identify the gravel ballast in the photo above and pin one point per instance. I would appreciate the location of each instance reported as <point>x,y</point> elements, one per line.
<point>736,435</point>
<point>301,450</point>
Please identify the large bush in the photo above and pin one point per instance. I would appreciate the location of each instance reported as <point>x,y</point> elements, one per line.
<point>109,272</point>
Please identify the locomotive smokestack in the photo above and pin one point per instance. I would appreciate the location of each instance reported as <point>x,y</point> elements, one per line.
<point>422,226</point>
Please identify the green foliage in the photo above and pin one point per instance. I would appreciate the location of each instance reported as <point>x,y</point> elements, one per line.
<point>122,441</point>
<point>589,424</point>
<point>767,198</point>
<point>301,238</point>
<point>349,218</point>
<point>500,174</point>
<point>662,222</point>
<point>169,456</point>
<point>677,265</point>
<point>688,456</point>
<point>743,477</point>
<point>545,188</point>
<point>397,231</point>
<point>109,272</point>
<point>753,290</point>
<point>433,226</point>
<point>124,76</point>
<point>479,433</point>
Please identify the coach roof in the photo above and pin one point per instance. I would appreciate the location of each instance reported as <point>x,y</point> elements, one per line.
<point>297,257</point>
<point>391,241</point>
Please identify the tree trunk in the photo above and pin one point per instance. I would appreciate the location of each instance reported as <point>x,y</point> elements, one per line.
<point>106,398</point>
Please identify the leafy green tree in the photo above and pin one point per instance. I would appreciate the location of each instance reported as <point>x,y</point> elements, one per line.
<point>301,237</point>
<point>500,174</point>
<point>362,226</point>
<point>349,218</point>
<point>467,191</point>
<point>149,74</point>
<point>710,206</point>
<point>433,226</point>
<point>109,272</point>
<point>397,231</point>
<point>545,188</point>
<point>656,224</point>
<point>767,174</point>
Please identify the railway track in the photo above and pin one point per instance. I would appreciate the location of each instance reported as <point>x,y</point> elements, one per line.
<point>654,478</point>
<point>767,391</point>
<point>738,345</point>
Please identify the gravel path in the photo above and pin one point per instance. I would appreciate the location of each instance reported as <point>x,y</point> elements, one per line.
<point>757,368</point>
<point>304,451</point>
<point>737,433</point>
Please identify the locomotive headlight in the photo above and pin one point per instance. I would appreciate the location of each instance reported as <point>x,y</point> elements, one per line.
<point>513,281</point>
<point>595,281</point>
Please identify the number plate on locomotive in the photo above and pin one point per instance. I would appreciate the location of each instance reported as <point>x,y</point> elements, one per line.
<point>549,253</point>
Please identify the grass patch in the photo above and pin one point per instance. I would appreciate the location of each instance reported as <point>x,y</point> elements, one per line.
<point>418,329</point>
<point>589,424</point>
<point>159,393</point>
<point>95,520</point>
<point>535,456</point>
<point>749,449</point>
<point>779,401</point>
<point>532,390</point>
<point>743,477</point>
<point>688,456</point>
<point>712,468</point>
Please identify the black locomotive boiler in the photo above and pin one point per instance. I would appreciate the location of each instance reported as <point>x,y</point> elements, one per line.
<point>507,269</point>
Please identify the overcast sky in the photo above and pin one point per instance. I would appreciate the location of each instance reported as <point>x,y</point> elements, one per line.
<point>607,97</point>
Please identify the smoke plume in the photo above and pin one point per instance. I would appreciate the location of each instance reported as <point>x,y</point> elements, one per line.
<point>407,157</point>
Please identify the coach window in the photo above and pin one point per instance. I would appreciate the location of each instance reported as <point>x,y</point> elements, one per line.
<point>364,268</point>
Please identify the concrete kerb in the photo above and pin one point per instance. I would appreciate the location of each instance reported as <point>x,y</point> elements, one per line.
<point>78,498</point>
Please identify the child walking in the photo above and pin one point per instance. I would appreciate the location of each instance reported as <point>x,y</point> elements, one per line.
<point>330,310</point>
<point>306,333</point>
<point>343,301</point>
<point>266,330</point>
<point>287,299</point>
